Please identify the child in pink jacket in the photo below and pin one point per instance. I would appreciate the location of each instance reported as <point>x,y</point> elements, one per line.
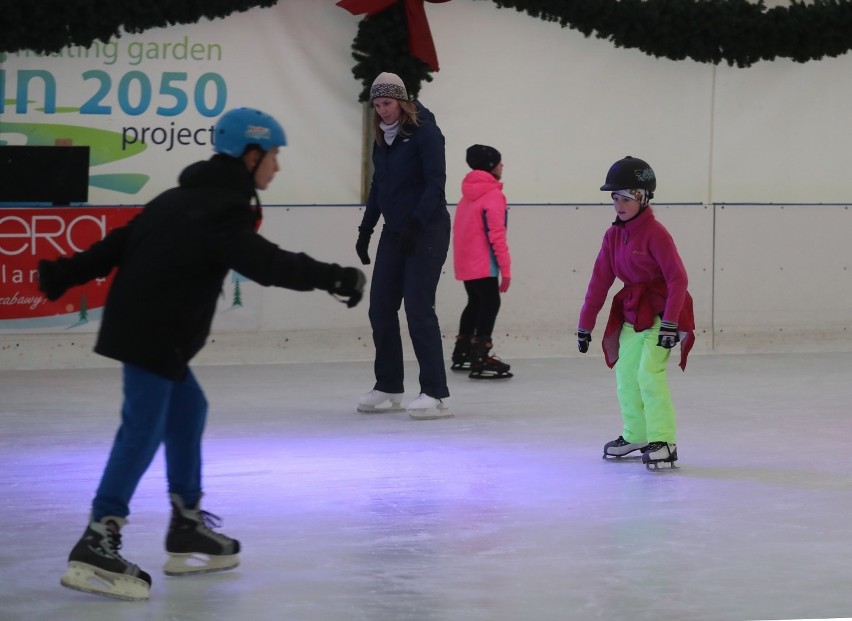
<point>649,315</point>
<point>481,255</point>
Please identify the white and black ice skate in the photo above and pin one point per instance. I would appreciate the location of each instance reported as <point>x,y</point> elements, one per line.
<point>621,448</point>
<point>660,455</point>
<point>192,545</point>
<point>95,565</point>
<point>379,402</point>
<point>425,407</point>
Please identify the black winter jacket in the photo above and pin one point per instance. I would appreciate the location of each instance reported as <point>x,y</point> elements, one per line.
<point>172,260</point>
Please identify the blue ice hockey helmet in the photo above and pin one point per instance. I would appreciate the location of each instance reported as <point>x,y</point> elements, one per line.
<point>242,127</point>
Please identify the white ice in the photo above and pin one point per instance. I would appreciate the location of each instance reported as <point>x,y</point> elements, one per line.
<point>506,512</point>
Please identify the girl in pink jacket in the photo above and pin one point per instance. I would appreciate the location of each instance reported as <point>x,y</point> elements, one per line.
<point>480,256</point>
<point>649,315</point>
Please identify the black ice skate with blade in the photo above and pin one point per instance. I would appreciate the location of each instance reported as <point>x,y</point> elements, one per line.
<point>485,366</point>
<point>95,565</point>
<point>660,455</point>
<point>193,547</point>
<point>461,354</point>
<point>621,449</point>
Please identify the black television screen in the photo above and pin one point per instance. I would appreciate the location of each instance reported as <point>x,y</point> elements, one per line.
<point>57,175</point>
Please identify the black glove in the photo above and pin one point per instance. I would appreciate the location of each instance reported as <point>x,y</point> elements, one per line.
<point>363,245</point>
<point>409,235</point>
<point>347,283</point>
<point>668,337</point>
<point>53,278</point>
<point>584,337</point>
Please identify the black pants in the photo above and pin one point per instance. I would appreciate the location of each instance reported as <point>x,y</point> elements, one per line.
<point>483,304</point>
<point>413,279</point>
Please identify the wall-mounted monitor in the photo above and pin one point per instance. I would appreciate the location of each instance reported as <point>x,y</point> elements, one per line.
<point>57,175</point>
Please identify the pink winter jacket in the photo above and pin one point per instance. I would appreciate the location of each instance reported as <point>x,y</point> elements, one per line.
<point>642,254</point>
<point>480,248</point>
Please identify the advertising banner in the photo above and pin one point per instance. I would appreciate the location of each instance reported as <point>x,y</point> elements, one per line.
<point>125,110</point>
<point>145,106</point>
<point>146,103</point>
<point>29,235</point>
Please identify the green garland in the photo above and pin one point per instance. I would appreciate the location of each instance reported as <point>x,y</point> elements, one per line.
<point>737,32</point>
<point>49,25</point>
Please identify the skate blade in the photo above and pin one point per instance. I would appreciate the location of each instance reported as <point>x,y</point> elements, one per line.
<point>370,409</point>
<point>626,457</point>
<point>496,376</point>
<point>464,366</point>
<point>194,563</point>
<point>660,466</point>
<point>430,414</point>
<point>87,579</point>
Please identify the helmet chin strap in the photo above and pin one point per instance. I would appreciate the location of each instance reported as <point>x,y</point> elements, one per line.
<point>254,168</point>
<point>253,171</point>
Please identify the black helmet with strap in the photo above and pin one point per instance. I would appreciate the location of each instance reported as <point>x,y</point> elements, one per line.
<point>631,173</point>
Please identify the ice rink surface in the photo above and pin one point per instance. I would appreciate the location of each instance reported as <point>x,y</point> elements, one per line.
<point>506,512</point>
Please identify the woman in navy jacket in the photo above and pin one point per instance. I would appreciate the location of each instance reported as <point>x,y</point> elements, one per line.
<point>408,192</point>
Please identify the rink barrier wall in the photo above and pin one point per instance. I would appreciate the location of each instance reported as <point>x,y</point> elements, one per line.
<point>764,278</point>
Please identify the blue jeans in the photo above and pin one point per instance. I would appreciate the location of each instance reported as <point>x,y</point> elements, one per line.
<point>156,410</point>
<point>414,279</point>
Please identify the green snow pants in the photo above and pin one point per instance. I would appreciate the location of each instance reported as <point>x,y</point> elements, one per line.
<point>647,411</point>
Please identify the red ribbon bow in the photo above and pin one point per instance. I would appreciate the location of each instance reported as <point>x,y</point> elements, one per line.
<point>419,36</point>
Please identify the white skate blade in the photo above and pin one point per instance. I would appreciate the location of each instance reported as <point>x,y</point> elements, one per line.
<point>372,409</point>
<point>659,466</point>
<point>430,414</point>
<point>89,579</point>
<point>188,564</point>
<point>626,457</point>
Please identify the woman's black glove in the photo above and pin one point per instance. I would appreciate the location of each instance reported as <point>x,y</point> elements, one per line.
<point>363,244</point>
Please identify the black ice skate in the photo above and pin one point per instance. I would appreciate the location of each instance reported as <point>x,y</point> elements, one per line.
<point>485,366</point>
<point>95,565</point>
<point>660,455</point>
<point>461,354</point>
<point>193,547</point>
<point>621,448</point>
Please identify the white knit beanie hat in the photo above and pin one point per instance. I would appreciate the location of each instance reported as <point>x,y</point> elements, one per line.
<point>388,85</point>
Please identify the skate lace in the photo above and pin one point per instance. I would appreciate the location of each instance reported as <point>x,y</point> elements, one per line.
<point>114,544</point>
<point>654,446</point>
<point>208,521</point>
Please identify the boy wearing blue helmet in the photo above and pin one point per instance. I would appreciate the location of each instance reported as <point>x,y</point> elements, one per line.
<point>171,262</point>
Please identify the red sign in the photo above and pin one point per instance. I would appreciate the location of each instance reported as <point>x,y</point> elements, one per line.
<point>28,235</point>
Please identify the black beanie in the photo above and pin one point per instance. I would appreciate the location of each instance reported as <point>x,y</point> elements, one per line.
<point>481,157</point>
